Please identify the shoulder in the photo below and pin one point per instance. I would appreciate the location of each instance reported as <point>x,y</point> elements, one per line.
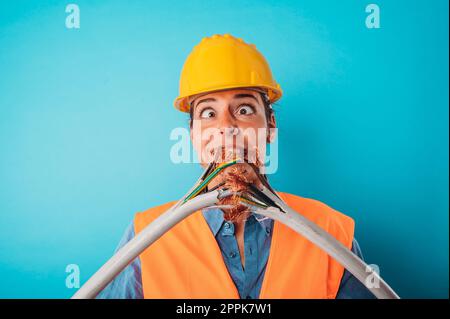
<point>148,215</point>
<point>320,213</point>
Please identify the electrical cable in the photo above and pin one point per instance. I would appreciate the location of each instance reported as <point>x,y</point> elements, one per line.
<point>144,239</point>
<point>262,201</point>
<point>321,238</point>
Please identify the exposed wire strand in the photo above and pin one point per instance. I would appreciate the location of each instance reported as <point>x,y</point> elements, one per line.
<point>208,179</point>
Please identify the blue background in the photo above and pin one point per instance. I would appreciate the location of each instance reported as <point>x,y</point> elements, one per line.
<point>85,118</point>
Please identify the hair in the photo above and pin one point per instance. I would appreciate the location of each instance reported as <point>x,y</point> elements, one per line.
<point>267,108</point>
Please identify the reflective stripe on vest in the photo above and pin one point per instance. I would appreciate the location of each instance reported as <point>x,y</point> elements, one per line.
<point>186,262</point>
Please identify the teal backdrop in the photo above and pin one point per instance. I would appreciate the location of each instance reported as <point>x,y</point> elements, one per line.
<point>86,114</point>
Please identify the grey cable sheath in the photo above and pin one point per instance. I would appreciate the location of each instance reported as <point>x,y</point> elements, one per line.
<point>328,243</point>
<point>141,241</point>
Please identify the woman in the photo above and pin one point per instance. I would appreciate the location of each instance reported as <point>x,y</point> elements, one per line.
<point>227,87</point>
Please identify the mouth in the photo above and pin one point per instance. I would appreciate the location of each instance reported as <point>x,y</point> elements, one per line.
<point>242,154</point>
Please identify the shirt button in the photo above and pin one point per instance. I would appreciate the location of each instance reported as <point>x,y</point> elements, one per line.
<point>232,254</point>
<point>268,230</point>
<point>227,225</point>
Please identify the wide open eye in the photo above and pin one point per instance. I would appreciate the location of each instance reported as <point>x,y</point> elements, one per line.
<point>207,113</point>
<point>245,109</point>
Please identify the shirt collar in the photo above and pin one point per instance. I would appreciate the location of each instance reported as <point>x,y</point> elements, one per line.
<point>214,218</point>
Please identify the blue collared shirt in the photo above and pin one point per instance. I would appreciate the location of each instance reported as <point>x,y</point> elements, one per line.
<point>248,280</point>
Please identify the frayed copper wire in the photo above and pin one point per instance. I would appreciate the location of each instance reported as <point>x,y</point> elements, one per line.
<point>238,183</point>
<point>236,179</point>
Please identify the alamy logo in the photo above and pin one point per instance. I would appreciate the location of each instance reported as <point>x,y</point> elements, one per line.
<point>73,19</point>
<point>73,277</point>
<point>251,144</point>
<point>373,19</point>
<point>373,279</point>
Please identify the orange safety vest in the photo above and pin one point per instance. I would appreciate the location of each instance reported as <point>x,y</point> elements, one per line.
<point>186,262</point>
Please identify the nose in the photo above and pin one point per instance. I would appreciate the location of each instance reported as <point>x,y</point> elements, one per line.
<point>227,125</point>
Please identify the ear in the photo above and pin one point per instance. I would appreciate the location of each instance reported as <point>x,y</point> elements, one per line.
<point>271,126</point>
<point>191,123</point>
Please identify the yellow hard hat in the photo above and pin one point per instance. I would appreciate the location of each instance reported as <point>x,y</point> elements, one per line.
<point>224,62</point>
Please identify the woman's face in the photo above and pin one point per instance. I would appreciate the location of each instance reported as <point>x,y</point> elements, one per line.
<point>233,119</point>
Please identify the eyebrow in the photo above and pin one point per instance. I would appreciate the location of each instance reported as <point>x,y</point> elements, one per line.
<point>210,99</point>
<point>243,95</point>
<point>236,96</point>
